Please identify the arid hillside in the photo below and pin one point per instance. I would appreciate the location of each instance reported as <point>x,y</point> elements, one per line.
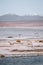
<point>21,23</point>
<point>9,20</point>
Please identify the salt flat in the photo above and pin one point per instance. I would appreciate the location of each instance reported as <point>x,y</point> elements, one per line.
<point>21,48</point>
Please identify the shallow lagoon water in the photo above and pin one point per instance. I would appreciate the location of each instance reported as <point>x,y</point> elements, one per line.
<point>26,60</point>
<point>31,32</point>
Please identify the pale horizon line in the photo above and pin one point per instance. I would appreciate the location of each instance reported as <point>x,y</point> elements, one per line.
<point>21,15</point>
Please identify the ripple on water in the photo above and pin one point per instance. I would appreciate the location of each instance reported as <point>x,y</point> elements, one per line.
<point>33,60</point>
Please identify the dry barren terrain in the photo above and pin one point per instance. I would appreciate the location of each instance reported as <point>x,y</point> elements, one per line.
<point>20,23</point>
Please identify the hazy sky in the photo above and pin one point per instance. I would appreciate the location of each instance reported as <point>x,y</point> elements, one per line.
<point>21,7</point>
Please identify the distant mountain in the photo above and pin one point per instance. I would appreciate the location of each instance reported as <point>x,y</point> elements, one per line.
<point>10,20</point>
<point>10,17</point>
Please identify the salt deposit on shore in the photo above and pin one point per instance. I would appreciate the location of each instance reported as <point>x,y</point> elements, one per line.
<point>22,47</point>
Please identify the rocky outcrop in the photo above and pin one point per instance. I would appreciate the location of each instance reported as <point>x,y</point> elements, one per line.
<point>2,55</point>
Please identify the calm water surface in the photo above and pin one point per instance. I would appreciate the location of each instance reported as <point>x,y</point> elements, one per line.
<point>23,31</point>
<point>34,60</point>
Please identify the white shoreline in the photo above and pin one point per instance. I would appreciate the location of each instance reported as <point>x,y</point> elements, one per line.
<point>24,54</point>
<point>32,27</point>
